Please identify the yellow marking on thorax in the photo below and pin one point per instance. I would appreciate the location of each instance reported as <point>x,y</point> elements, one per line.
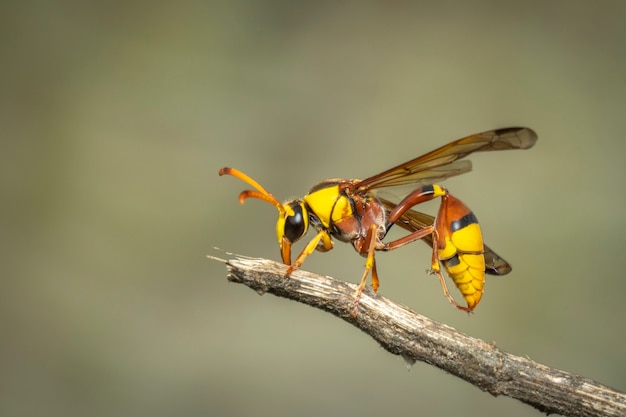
<point>329,204</point>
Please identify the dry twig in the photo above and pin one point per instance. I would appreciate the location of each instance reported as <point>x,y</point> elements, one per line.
<point>403,332</point>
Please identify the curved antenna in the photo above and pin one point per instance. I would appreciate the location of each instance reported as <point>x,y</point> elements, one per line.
<point>260,193</point>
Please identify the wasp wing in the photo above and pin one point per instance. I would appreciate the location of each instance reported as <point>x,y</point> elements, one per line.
<point>414,220</point>
<point>443,162</point>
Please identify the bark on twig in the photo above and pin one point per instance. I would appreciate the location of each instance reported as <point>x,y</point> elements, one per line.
<point>403,332</point>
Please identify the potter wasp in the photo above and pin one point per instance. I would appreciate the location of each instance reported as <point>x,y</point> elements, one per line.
<point>350,210</point>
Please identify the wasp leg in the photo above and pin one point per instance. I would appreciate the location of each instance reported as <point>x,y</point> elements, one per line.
<point>326,244</point>
<point>421,195</point>
<point>375,282</point>
<point>370,265</point>
<point>417,235</point>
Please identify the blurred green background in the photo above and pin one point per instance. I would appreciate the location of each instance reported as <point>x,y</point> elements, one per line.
<point>116,116</point>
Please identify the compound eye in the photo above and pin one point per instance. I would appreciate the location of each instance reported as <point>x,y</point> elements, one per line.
<point>295,226</point>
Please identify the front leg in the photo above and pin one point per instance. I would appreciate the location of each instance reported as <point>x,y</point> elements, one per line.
<point>321,240</point>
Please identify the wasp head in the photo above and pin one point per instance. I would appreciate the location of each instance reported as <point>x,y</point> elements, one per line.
<point>293,218</point>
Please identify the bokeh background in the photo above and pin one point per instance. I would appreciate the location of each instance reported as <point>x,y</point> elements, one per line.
<point>116,116</point>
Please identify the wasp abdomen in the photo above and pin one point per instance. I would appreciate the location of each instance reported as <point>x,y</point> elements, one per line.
<point>463,251</point>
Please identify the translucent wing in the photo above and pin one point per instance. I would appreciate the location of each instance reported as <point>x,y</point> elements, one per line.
<point>443,162</point>
<point>414,220</point>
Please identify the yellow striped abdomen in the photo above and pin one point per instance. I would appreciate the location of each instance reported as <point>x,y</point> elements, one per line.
<point>463,252</point>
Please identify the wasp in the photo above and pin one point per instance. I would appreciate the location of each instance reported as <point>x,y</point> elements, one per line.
<point>350,210</point>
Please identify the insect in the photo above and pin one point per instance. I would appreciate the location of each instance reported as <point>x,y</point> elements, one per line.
<point>350,210</point>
